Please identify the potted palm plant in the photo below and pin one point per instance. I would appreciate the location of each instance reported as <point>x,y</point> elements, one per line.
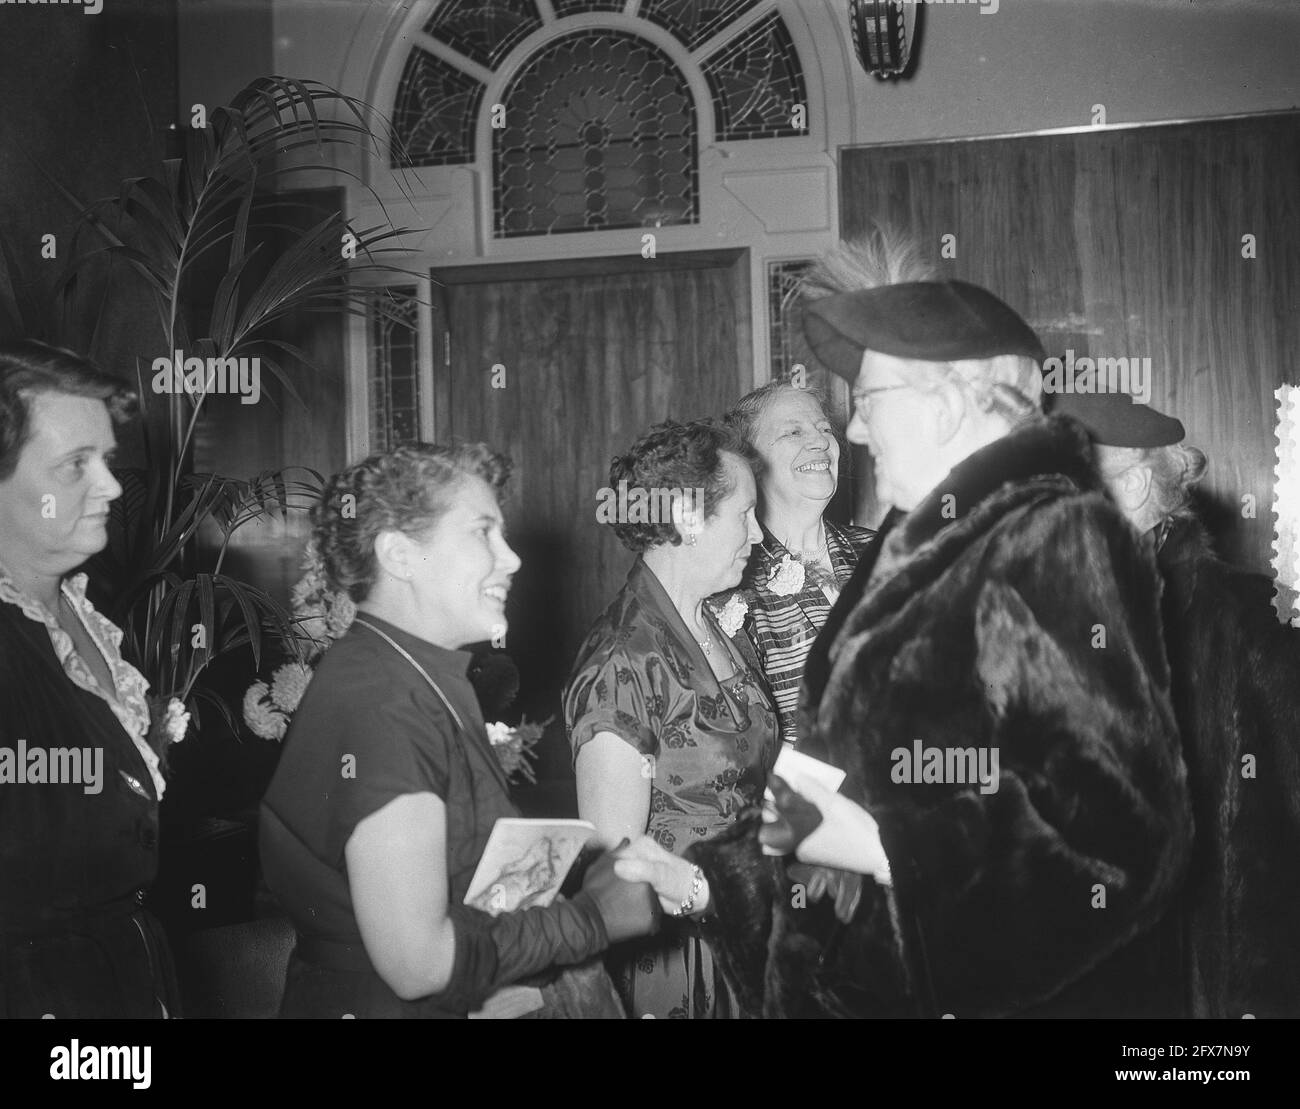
<point>221,270</point>
<point>161,578</point>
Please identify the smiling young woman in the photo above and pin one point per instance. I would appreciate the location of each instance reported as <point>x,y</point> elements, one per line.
<point>388,789</point>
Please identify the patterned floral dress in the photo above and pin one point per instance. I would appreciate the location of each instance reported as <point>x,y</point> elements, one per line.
<point>708,748</point>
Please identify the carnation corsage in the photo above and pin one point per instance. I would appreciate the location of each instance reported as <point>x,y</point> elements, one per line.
<point>787,578</point>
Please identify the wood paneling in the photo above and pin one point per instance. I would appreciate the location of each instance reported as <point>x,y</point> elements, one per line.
<point>594,353</point>
<point>1129,243</point>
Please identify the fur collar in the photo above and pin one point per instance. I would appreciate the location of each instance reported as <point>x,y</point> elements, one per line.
<point>1055,448</point>
<point>1043,447</point>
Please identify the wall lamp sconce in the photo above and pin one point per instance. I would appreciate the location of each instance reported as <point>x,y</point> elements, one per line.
<point>884,35</point>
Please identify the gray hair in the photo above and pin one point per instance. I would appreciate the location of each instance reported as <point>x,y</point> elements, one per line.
<point>1174,469</point>
<point>745,414</point>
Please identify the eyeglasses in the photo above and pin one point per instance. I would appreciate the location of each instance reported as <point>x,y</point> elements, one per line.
<point>861,396</point>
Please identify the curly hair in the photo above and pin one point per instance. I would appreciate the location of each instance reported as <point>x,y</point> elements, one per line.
<point>672,457</point>
<point>405,489</point>
<point>28,369</point>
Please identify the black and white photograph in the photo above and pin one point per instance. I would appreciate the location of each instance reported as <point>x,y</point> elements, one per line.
<point>779,510</point>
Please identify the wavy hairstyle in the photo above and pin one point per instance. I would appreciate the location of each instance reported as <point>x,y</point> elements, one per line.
<point>28,369</point>
<point>671,457</point>
<point>406,489</point>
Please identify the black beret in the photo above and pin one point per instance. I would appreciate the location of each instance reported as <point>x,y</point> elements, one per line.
<point>929,321</point>
<point>1117,420</point>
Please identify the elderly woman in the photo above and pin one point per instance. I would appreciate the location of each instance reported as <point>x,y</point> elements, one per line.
<point>796,572</point>
<point>79,783</point>
<point>672,730</point>
<point>387,790</point>
<point>994,686</point>
<point>1236,694</point>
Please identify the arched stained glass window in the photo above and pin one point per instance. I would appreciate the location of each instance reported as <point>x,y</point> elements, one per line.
<point>600,133</point>
<point>600,129</point>
<point>756,81</point>
<point>433,120</point>
<point>484,31</point>
<point>694,21</point>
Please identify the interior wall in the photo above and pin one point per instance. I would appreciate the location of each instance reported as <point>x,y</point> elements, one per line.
<point>87,100</point>
<point>1039,64</point>
<point>1171,245</point>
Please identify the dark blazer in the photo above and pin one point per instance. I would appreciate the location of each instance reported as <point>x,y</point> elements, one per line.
<point>1012,610</point>
<point>75,865</point>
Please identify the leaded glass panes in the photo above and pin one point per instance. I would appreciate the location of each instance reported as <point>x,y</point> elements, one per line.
<point>756,82</point>
<point>483,30</point>
<point>578,7</point>
<point>782,314</point>
<point>393,377</point>
<point>433,119</point>
<point>694,21</point>
<point>600,133</point>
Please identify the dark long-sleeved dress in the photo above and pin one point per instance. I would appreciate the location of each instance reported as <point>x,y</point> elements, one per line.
<point>369,730</point>
<point>79,791</point>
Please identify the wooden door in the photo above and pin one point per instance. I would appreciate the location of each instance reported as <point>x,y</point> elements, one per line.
<point>562,366</point>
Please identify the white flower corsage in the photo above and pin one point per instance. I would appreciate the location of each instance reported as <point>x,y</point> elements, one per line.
<point>513,748</point>
<point>499,733</point>
<point>732,616</point>
<point>787,579</point>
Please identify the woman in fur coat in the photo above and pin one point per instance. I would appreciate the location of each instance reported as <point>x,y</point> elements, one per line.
<point>1236,695</point>
<point>1014,827</point>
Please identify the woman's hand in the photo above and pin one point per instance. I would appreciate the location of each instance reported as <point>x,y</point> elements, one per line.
<point>846,837</point>
<point>627,906</point>
<point>672,878</point>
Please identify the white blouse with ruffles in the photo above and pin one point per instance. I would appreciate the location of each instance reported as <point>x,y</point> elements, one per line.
<point>129,703</point>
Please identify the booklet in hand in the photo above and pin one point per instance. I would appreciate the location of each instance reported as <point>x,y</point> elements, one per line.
<point>795,767</point>
<point>525,863</point>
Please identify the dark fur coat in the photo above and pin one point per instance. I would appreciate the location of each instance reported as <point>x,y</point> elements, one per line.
<point>1013,609</point>
<point>1236,685</point>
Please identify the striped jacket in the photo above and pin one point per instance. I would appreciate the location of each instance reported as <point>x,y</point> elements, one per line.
<point>783,628</point>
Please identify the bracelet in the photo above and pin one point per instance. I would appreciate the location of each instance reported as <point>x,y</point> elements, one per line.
<point>688,902</point>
